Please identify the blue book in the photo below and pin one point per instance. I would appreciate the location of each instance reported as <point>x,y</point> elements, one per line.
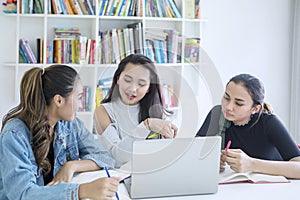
<point>24,54</point>
<point>175,9</point>
<point>62,4</point>
<point>89,7</point>
<point>157,51</point>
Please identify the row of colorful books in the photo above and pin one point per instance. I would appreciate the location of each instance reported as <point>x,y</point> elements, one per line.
<point>165,46</point>
<point>162,8</point>
<point>72,7</point>
<point>113,47</point>
<point>31,6</point>
<point>116,44</point>
<point>120,8</point>
<point>153,8</point>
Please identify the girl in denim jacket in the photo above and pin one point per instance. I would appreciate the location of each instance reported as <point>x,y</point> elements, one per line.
<point>42,143</point>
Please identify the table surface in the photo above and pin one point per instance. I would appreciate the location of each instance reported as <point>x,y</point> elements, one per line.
<point>238,191</point>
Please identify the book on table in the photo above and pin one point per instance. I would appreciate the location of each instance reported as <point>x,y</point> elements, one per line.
<point>229,176</point>
<point>85,177</point>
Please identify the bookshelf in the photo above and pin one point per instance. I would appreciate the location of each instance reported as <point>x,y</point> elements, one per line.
<point>184,77</point>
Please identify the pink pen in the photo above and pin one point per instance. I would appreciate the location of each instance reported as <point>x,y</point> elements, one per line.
<point>228,145</point>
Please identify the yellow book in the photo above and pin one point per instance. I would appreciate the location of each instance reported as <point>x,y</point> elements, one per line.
<point>118,8</point>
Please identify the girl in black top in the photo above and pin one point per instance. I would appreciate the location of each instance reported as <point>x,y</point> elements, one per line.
<point>259,141</point>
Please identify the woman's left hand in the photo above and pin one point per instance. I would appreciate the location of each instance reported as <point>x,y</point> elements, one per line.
<point>65,174</point>
<point>238,160</point>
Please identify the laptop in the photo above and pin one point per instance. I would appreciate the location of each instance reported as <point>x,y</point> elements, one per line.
<point>172,167</point>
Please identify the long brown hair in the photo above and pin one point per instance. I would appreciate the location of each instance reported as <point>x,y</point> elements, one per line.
<point>37,89</point>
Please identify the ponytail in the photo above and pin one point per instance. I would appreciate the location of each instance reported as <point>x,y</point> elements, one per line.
<point>267,108</point>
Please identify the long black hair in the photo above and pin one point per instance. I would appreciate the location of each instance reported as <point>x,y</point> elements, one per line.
<point>255,89</point>
<point>151,104</point>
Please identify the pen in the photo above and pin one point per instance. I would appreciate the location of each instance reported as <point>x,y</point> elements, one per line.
<point>228,145</point>
<point>108,175</point>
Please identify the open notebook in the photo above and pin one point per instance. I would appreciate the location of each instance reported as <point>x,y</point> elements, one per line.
<point>229,176</point>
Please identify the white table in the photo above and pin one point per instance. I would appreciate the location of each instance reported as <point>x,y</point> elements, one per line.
<point>237,191</point>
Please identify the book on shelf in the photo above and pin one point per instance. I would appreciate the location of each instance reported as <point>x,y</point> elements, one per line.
<point>103,7</point>
<point>83,7</point>
<point>172,45</point>
<point>191,50</point>
<point>89,7</point>
<point>83,44</point>
<point>101,93</point>
<point>229,176</point>
<point>49,51</point>
<point>118,8</point>
<point>92,52</point>
<point>38,6</point>
<point>189,9</point>
<point>105,82</point>
<point>39,42</point>
<point>198,9</point>
<point>22,56</point>
<point>168,96</point>
<point>115,46</point>
<point>162,8</point>
<point>27,51</point>
<point>102,89</point>
<point>137,36</point>
<point>175,9</point>
<point>86,99</point>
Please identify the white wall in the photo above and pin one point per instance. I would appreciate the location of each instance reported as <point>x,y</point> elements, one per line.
<point>240,36</point>
<point>252,36</point>
<point>7,54</point>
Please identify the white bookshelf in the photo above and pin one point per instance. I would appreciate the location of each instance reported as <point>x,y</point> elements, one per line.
<point>187,79</point>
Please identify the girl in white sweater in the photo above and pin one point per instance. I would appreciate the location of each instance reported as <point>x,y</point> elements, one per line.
<point>133,109</point>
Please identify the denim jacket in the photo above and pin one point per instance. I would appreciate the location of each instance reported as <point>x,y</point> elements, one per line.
<point>21,178</point>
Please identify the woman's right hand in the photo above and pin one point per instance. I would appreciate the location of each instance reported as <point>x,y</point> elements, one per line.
<point>99,189</point>
<point>163,127</point>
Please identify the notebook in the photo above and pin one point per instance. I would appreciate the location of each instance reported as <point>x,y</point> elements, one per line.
<point>229,176</point>
<point>171,167</point>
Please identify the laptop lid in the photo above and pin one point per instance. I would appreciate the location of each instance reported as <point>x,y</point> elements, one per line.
<point>171,167</point>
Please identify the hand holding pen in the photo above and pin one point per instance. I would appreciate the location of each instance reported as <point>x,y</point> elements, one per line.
<point>108,175</point>
<point>163,127</point>
<point>101,188</point>
<point>238,160</point>
<point>223,157</point>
